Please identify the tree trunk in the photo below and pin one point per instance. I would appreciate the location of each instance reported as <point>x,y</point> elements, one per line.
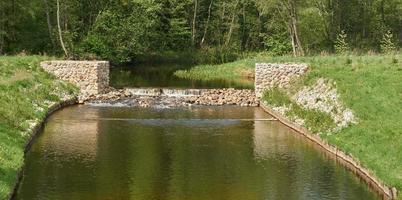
<point>59,28</point>
<point>297,47</point>
<point>221,21</point>
<point>244,37</point>
<point>12,23</point>
<point>382,11</point>
<point>194,30</point>
<point>49,24</point>
<point>292,38</point>
<point>231,25</point>
<point>207,24</point>
<point>2,26</point>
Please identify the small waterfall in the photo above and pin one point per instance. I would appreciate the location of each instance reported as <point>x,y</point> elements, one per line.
<point>145,91</point>
<point>181,92</point>
<point>165,92</point>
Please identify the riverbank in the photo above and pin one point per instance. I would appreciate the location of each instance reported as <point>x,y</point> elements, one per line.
<point>27,95</point>
<point>371,86</point>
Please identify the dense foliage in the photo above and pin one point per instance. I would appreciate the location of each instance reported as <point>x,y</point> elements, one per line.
<point>120,30</point>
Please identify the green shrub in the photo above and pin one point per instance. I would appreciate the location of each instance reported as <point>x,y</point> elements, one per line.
<point>387,44</point>
<point>341,44</point>
<point>277,97</point>
<point>277,44</point>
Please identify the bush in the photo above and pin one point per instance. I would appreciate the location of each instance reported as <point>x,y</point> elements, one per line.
<point>387,44</point>
<point>277,44</point>
<point>341,45</point>
<point>216,55</point>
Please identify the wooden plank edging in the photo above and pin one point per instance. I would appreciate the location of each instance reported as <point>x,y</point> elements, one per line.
<point>386,192</point>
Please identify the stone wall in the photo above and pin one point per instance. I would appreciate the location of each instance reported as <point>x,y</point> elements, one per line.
<point>92,77</point>
<point>276,75</point>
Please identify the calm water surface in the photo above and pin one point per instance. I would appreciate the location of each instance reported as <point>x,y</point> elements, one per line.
<point>162,75</point>
<point>179,154</point>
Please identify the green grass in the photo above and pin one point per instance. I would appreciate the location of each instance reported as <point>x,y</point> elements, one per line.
<point>25,93</point>
<point>235,71</point>
<point>370,85</point>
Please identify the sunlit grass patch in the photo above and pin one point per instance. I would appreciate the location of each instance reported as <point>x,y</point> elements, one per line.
<point>25,90</point>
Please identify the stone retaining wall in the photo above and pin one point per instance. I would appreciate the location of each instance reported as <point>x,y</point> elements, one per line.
<point>92,77</point>
<point>276,75</point>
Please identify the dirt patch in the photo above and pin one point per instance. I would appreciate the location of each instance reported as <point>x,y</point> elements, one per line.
<point>18,75</point>
<point>247,73</point>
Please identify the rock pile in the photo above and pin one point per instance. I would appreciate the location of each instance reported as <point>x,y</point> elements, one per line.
<point>208,97</point>
<point>324,97</point>
<point>219,97</point>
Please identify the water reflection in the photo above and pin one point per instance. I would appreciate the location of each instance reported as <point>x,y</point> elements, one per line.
<point>72,137</point>
<point>179,154</point>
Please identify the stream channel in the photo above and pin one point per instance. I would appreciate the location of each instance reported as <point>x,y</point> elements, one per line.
<point>190,153</point>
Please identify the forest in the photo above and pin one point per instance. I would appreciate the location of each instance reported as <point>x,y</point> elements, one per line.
<point>122,30</point>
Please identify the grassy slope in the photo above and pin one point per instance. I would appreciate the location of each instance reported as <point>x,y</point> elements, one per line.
<point>371,86</point>
<point>25,93</point>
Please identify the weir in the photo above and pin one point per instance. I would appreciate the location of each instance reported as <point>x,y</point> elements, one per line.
<point>165,92</point>
<point>193,119</point>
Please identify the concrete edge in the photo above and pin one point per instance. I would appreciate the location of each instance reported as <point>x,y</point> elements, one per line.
<point>352,164</point>
<point>34,134</point>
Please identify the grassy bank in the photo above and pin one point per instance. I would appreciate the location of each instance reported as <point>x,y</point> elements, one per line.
<point>233,71</point>
<point>26,92</point>
<point>370,85</point>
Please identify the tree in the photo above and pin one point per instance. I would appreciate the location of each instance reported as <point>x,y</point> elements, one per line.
<point>59,29</point>
<point>124,29</point>
<point>232,23</point>
<point>288,14</point>
<point>49,24</point>
<point>207,24</point>
<point>194,23</point>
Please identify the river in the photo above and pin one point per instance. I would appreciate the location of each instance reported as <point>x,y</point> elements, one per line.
<point>197,153</point>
